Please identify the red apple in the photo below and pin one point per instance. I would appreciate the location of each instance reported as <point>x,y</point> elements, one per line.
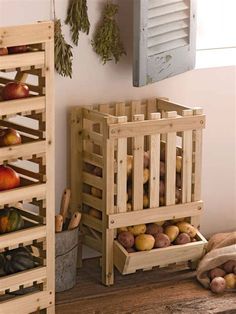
<point>17,49</point>
<point>3,51</point>
<point>9,179</point>
<point>9,137</point>
<point>15,90</point>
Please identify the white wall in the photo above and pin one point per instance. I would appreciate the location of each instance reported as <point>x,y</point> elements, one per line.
<point>213,89</point>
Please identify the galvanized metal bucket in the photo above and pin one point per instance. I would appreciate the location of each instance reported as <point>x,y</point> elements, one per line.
<point>66,259</point>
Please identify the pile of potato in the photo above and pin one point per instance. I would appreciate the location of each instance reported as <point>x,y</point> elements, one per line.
<point>146,174</point>
<point>156,235</point>
<point>223,277</point>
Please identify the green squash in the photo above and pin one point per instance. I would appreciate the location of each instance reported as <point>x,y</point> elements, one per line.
<point>18,260</point>
<point>10,220</point>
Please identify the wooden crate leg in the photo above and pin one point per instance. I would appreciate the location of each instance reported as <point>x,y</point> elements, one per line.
<point>107,258</point>
<point>51,310</point>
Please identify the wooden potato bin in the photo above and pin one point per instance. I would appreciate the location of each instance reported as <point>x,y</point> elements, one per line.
<point>31,288</point>
<point>113,192</point>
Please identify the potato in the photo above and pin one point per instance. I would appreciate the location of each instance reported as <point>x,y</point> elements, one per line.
<point>178,164</point>
<point>144,242</point>
<point>145,201</point>
<point>162,201</point>
<point>97,171</point>
<point>172,232</point>
<point>162,188</point>
<point>229,266</point>
<point>129,207</point>
<point>182,238</point>
<point>137,229</point>
<point>126,239</point>
<point>162,169</point>
<point>130,250</point>
<point>178,196</point>
<point>163,151</point>
<point>122,229</point>
<point>153,229</point>
<point>178,181</point>
<point>145,175</point>
<point>129,164</point>
<point>95,213</point>
<point>230,281</point>
<point>96,192</point>
<point>216,272</point>
<point>146,160</point>
<point>161,240</point>
<point>187,228</point>
<point>218,285</point>
<point>129,192</point>
<point>160,223</point>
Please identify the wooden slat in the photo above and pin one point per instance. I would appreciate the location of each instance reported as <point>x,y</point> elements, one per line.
<point>23,278</point>
<point>92,201</point>
<point>23,193</point>
<point>29,303</point>
<point>22,105</point>
<point>93,243</point>
<point>155,214</point>
<point>92,180</point>
<point>138,151</point>
<point>26,34</point>
<point>154,165</point>
<point>170,163</point>
<point>22,150</point>
<point>147,127</point>
<point>33,88</point>
<point>120,109</point>
<point>121,170</point>
<point>94,137</point>
<point>93,159</point>
<point>21,128</point>
<point>22,236</point>
<point>187,162</point>
<point>22,60</point>
<point>92,222</point>
<point>93,115</point>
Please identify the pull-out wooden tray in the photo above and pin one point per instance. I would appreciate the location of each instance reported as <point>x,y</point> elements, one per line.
<point>128,263</point>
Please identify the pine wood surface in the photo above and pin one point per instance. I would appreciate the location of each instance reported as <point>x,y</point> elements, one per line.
<point>161,291</point>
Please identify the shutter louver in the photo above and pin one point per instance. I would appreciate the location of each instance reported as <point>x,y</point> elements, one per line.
<point>164,39</point>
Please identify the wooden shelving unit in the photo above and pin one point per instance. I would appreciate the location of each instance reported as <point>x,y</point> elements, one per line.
<point>33,117</point>
<point>101,138</point>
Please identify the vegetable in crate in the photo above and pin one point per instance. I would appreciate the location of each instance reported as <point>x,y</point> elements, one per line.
<point>126,239</point>
<point>9,137</point>
<point>144,242</point>
<point>218,285</point>
<point>18,260</point>
<point>10,220</point>
<point>15,90</point>
<point>107,42</point>
<point>9,178</point>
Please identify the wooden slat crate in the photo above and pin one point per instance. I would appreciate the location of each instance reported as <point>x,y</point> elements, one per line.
<point>31,290</point>
<point>101,138</point>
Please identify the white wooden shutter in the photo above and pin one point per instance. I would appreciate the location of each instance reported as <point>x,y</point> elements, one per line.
<point>164,39</point>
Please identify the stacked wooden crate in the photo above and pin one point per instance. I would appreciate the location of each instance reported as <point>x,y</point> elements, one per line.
<point>101,138</point>
<point>33,117</point>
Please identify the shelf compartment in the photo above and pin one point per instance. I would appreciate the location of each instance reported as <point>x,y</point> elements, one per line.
<point>11,107</point>
<point>23,151</point>
<point>37,191</point>
<point>15,61</point>
<point>128,263</point>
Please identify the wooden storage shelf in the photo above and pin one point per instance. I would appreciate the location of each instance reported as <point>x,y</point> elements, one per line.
<point>128,263</point>
<point>33,117</point>
<point>102,136</point>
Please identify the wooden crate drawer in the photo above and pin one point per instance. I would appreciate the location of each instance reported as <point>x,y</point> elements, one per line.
<point>128,263</point>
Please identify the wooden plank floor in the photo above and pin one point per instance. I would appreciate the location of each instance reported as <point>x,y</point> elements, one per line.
<point>161,291</point>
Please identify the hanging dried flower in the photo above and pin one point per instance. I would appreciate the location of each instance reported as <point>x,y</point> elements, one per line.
<point>77,18</point>
<point>63,52</point>
<point>107,42</point>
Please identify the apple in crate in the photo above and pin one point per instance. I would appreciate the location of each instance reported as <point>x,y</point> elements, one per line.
<point>15,90</point>
<point>9,137</point>
<point>3,51</point>
<point>9,178</point>
<point>17,49</point>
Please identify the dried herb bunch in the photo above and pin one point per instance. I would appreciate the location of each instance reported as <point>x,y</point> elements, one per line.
<point>63,52</point>
<point>77,18</point>
<point>107,42</point>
